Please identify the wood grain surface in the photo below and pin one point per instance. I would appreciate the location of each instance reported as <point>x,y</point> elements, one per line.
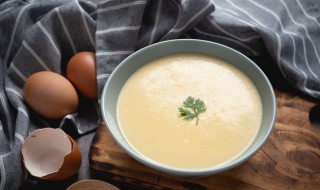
<point>290,159</point>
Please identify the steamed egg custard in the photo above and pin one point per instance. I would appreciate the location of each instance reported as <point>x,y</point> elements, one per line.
<point>148,113</point>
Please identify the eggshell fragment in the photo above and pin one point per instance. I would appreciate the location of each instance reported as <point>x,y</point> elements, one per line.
<point>81,71</point>
<point>51,154</point>
<point>50,95</point>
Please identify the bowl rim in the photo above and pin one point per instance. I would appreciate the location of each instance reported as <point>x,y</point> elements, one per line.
<point>180,171</point>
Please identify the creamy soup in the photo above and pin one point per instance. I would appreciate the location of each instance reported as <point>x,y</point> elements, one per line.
<point>148,113</point>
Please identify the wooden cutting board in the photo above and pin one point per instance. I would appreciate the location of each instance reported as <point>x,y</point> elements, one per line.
<point>290,159</point>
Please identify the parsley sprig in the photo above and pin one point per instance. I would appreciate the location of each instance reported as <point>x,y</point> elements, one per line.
<point>192,108</point>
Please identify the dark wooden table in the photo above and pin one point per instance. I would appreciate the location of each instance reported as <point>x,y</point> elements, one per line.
<point>290,159</point>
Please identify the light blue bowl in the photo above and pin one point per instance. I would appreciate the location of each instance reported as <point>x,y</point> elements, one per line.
<point>127,67</point>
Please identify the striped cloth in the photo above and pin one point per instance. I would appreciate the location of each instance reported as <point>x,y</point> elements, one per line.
<point>43,35</point>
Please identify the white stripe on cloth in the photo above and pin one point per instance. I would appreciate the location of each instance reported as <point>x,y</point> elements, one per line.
<point>305,77</point>
<point>7,9</point>
<point>8,117</point>
<point>13,91</point>
<point>20,109</point>
<point>92,13</point>
<point>14,32</point>
<point>306,58</point>
<point>43,29</point>
<point>192,19</point>
<point>74,119</point>
<point>20,137</point>
<point>35,55</point>
<point>228,39</point>
<point>66,31</point>
<point>156,21</point>
<point>231,12</point>
<point>318,23</point>
<point>103,76</point>
<point>3,174</point>
<point>216,25</point>
<point>241,20</point>
<point>108,53</point>
<point>120,6</point>
<point>15,69</point>
<point>304,84</point>
<point>307,14</point>
<point>311,92</point>
<point>85,24</point>
<point>122,28</point>
<point>177,20</point>
<point>285,31</point>
<point>264,26</point>
<point>305,29</point>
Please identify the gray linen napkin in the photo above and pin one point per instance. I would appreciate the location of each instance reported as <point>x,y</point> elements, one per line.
<point>43,35</point>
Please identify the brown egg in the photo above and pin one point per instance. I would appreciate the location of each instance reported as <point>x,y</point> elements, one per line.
<point>50,95</point>
<point>81,71</point>
<point>51,154</point>
<point>92,184</point>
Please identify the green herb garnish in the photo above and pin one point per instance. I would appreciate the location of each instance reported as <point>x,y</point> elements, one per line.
<point>192,108</point>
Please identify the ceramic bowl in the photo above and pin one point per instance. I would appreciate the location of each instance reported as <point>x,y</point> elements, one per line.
<point>143,56</point>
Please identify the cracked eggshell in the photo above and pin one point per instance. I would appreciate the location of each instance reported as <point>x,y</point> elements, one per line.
<point>51,154</point>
